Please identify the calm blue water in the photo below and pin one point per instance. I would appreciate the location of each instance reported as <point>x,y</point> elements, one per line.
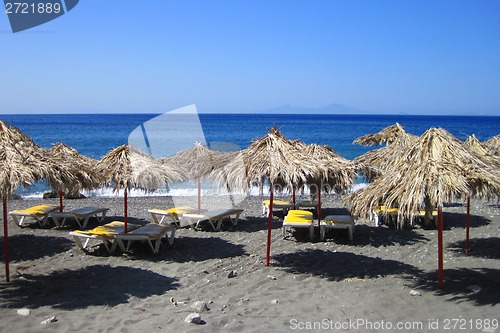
<point>95,134</point>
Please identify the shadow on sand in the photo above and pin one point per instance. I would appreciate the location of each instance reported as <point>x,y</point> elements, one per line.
<point>479,285</point>
<point>488,248</point>
<point>457,220</point>
<point>381,236</point>
<point>98,285</point>
<point>186,248</point>
<point>39,246</point>
<point>337,266</point>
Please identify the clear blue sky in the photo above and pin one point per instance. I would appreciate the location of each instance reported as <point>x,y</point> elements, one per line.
<point>241,56</point>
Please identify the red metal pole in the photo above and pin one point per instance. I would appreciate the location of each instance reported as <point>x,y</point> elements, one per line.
<point>293,197</point>
<point>319,210</point>
<point>467,226</point>
<point>125,209</point>
<point>269,225</point>
<point>60,200</point>
<point>199,196</point>
<point>6,239</point>
<point>440,248</point>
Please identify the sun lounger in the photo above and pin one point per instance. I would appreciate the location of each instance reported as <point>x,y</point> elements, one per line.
<point>39,213</point>
<point>152,233</point>
<point>80,215</point>
<point>377,214</point>
<point>337,222</point>
<point>306,204</point>
<point>277,204</point>
<point>421,214</point>
<point>104,234</point>
<point>299,219</point>
<point>169,216</point>
<point>214,217</point>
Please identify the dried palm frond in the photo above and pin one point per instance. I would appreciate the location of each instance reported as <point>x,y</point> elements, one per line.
<point>82,167</point>
<point>436,169</point>
<point>128,167</point>
<point>493,144</point>
<point>390,134</point>
<point>280,161</point>
<point>22,162</point>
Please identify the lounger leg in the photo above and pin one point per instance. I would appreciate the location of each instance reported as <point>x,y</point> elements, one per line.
<point>44,221</point>
<point>78,242</point>
<point>103,216</point>
<point>56,221</point>
<point>350,229</point>
<point>284,232</point>
<point>156,248</point>
<point>171,238</point>
<point>322,233</point>
<point>311,232</point>
<point>17,221</point>
<point>236,218</point>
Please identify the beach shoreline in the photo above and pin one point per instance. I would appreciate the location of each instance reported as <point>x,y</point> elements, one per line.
<point>384,275</point>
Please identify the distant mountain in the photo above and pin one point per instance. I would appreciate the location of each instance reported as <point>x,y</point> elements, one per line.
<point>329,109</point>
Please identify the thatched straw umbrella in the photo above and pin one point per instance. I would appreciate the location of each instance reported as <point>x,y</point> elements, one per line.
<point>22,162</point>
<point>375,162</point>
<point>341,171</point>
<point>126,167</point>
<point>82,167</point>
<point>388,135</point>
<point>198,163</point>
<point>273,158</point>
<point>481,152</point>
<point>436,169</point>
<point>493,144</point>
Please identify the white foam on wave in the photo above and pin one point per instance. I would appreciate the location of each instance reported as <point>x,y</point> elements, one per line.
<point>180,190</point>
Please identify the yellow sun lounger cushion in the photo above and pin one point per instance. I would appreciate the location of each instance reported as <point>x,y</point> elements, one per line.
<point>300,212</point>
<point>109,229</point>
<point>103,233</point>
<point>172,215</point>
<point>298,221</point>
<point>277,204</point>
<point>39,213</point>
<point>386,209</point>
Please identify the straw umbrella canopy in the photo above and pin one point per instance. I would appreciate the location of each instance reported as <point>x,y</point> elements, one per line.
<point>479,150</point>
<point>493,144</point>
<point>126,167</point>
<point>82,167</point>
<point>197,162</point>
<point>22,162</point>
<point>375,162</point>
<point>341,171</point>
<point>438,168</point>
<point>388,135</point>
<point>273,158</point>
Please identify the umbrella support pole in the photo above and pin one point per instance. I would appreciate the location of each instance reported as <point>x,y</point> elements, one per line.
<point>60,200</point>
<point>199,196</point>
<point>6,239</point>
<point>440,248</point>
<point>319,211</point>
<point>125,206</point>
<point>467,226</point>
<point>269,226</point>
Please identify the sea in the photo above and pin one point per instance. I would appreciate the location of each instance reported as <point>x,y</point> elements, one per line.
<point>95,134</point>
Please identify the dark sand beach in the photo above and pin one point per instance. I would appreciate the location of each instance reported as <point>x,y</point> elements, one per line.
<point>385,280</point>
